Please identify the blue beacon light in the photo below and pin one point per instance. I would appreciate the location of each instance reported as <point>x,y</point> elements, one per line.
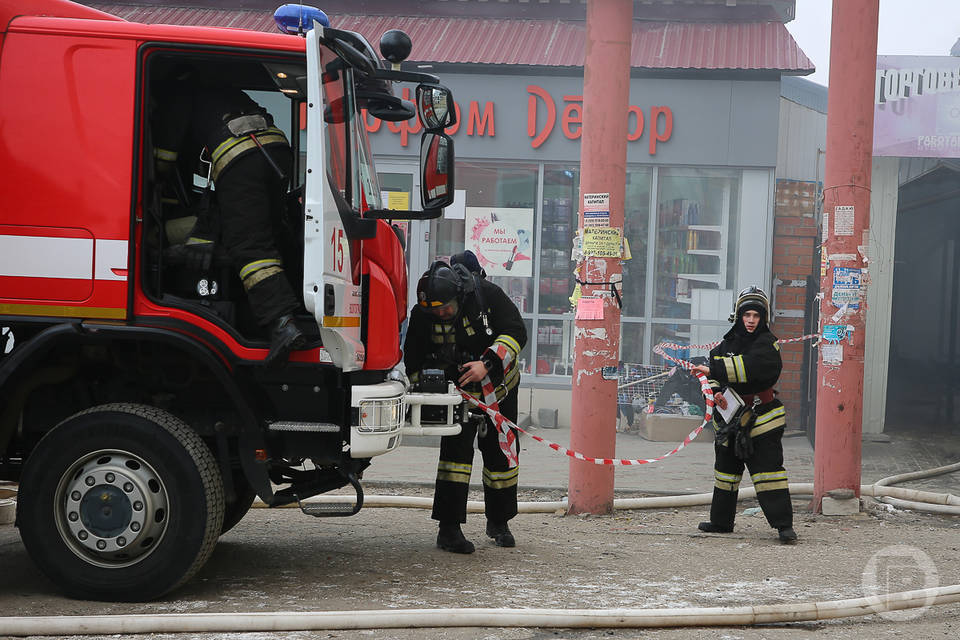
<point>297,19</point>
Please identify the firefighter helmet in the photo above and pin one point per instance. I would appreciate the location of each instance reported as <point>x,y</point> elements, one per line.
<point>752,298</point>
<point>440,285</point>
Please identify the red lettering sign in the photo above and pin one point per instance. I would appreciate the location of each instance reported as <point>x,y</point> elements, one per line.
<point>572,119</point>
<point>655,134</point>
<point>477,123</point>
<point>481,122</point>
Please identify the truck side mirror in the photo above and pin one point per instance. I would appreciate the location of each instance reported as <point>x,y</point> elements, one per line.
<point>436,170</point>
<point>435,107</point>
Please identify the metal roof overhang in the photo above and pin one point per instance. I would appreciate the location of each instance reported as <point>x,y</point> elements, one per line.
<point>656,46</point>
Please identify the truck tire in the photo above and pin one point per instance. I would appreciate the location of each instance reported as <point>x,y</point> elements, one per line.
<point>120,502</point>
<point>235,509</point>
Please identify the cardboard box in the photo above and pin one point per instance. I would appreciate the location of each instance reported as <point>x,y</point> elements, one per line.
<point>660,427</point>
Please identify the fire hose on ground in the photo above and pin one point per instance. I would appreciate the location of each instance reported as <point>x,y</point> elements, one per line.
<point>485,617</point>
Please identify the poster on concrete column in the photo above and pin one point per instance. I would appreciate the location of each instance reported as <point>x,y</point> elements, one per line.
<point>502,238</point>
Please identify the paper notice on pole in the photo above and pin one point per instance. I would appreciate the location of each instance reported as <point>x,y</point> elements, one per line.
<point>596,210</point>
<point>843,221</point>
<point>575,296</point>
<point>602,242</point>
<point>590,308</point>
<point>825,227</point>
<point>846,287</point>
<point>831,354</point>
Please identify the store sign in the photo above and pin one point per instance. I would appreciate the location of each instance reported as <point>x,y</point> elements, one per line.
<point>571,119</point>
<point>708,121</point>
<point>917,107</point>
<point>479,120</point>
<point>501,238</point>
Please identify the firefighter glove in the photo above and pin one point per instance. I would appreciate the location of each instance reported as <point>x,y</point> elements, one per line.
<point>743,443</point>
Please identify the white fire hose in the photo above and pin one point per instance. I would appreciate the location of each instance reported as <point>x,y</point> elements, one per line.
<point>445,618</point>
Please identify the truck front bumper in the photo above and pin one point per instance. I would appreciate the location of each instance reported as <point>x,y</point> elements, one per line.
<point>380,410</point>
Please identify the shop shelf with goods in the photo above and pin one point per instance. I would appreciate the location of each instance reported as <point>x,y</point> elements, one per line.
<point>692,248</point>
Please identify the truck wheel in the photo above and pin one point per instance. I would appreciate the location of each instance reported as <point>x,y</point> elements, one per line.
<point>235,509</point>
<point>120,502</point>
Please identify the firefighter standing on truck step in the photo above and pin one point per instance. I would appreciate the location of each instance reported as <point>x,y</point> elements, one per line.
<point>748,361</point>
<point>468,326</point>
<point>251,162</point>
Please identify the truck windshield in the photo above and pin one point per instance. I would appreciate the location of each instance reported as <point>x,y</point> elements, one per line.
<point>349,159</point>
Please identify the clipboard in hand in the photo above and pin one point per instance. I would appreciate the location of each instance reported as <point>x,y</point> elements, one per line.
<point>734,404</point>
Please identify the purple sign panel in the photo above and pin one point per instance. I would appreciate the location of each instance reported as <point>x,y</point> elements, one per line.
<point>917,102</point>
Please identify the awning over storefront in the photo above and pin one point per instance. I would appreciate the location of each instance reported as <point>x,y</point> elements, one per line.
<point>657,46</point>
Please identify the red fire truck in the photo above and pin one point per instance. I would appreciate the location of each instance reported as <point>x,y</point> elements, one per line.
<point>136,412</point>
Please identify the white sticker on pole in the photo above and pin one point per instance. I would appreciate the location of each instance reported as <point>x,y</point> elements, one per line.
<point>843,220</point>
<point>825,230</point>
<point>832,354</point>
<point>596,210</point>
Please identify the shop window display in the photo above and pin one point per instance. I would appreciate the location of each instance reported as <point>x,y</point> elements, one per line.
<point>554,347</point>
<point>696,222</point>
<point>499,197</point>
<point>694,230</point>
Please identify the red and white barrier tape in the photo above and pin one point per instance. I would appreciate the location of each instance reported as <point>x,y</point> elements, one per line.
<point>500,421</point>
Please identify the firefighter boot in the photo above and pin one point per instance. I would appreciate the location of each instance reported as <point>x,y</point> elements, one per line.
<point>500,533</point>
<point>451,539</point>
<point>787,535</point>
<point>285,336</point>
<point>709,527</point>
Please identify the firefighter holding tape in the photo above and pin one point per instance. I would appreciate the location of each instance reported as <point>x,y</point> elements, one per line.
<point>748,361</point>
<point>470,329</point>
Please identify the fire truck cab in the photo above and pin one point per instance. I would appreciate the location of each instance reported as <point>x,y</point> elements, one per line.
<point>135,410</point>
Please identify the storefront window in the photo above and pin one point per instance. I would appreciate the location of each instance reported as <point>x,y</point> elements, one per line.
<point>631,342</point>
<point>696,223</point>
<point>555,347</point>
<point>678,334</point>
<point>636,222</point>
<point>498,227</point>
<point>558,226</point>
<point>695,226</point>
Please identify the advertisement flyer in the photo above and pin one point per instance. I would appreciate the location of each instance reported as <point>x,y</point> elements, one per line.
<point>502,239</point>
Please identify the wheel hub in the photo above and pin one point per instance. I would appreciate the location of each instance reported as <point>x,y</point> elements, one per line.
<point>113,508</point>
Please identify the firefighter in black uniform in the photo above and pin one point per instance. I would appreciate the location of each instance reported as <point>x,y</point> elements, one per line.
<point>460,323</point>
<point>748,361</point>
<point>250,161</point>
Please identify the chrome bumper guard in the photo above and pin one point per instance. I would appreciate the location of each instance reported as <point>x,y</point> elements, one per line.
<point>416,401</point>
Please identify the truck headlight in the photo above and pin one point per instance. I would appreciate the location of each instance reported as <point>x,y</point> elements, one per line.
<point>381,415</point>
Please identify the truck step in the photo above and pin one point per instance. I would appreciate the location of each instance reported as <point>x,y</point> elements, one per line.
<point>334,506</point>
<point>311,427</point>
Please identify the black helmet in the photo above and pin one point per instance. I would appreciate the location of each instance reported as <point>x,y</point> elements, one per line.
<point>751,299</point>
<point>438,286</point>
<point>470,261</point>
